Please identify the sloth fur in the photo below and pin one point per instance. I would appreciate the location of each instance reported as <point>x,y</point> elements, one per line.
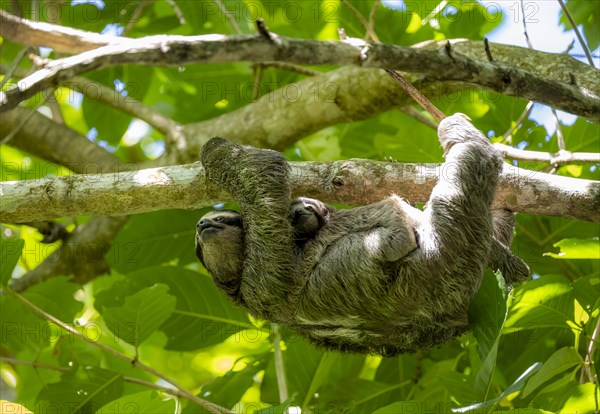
<point>385,278</point>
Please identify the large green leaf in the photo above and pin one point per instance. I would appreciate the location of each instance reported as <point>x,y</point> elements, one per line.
<point>146,402</point>
<point>562,360</point>
<point>547,302</point>
<point>141,314</point>
<point>514,387</point>
<point>89,389</point>
<point>228,389</point>
<point>155,238</point>
<point>568,396</point>
<point>587,292</point>
<point>10,251</point>
<point>57,297</point>
<point>577,249</point>
<point>202,315</point>
<point>487,313</point>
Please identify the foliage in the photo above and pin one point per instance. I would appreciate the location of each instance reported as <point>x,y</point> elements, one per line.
<point>529,343</point>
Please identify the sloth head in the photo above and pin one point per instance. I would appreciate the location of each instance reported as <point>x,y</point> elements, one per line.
<point>307,216</point>
<point>220,247</point>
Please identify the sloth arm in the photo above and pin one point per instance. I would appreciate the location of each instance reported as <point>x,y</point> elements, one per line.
<point>259,181</point>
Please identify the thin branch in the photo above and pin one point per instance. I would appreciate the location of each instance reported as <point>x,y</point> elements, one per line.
<point>524,21</point>
<point>560,138</point>
<point>417,96</point>
<point>559,133</point>
<point>139,9</point>
<point>26,119</point>
<point>178,12</point>
<point>131,380</point>
<point>560,158</point>
<point>507,136</point>
<point>584,45</point>
<point>46,139</point>
<point>81,255</point>
<point>422,118</point>
<point>127,104</point>
<point>279,366</point>
<point>352,182</point>
<point>212,408</point>
<point>588,357</point>
<point>370,32</point>
<point>229,16</point>
<point>8,73</point>
<point>434,12</point>
<point>98,92</point>
<point>181,50</point>
<point>374,9</point>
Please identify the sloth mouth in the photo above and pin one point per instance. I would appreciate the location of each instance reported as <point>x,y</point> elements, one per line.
<point>209,230</point>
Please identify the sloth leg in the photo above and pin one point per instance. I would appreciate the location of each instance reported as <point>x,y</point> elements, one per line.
<point>457,230</point>
<point>501,258</point>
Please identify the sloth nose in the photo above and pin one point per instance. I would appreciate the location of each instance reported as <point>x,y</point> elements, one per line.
<point>200,224</point>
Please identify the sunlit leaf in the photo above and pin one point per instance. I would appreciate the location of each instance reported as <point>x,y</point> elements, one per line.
<point>562,360</point>
<point>542,303</point>
<point>577,249</point>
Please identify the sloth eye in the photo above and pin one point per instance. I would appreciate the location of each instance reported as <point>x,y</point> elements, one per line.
<point>219,219</point>
<point>310,208</point>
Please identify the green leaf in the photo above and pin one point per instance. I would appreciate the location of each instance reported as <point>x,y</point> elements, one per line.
<point>562,360</point>
<point>92,387</point>
<point>146,402</point>
<point>412,406</point>
<point>155,238</point>
<point>356,394</point>
<point>542,303</point>
<point>142,314</point>
<point>460,386</point>
<point>487,313</point>
<point>577,249</point>
<point>587,14</point>
<point>568,396</point>
<point>300,358</point>
<point>10,251</point>
<point>514,387</point>
<point>57,297</point>
<point>228,389</point>
<point>587,292</point>
<point>202,316</point>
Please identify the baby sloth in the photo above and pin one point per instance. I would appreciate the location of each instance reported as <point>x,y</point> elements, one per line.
<point>384,278</point>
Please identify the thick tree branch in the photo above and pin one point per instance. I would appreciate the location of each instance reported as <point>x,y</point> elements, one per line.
<point>437,64</point>
<point>353,182</point>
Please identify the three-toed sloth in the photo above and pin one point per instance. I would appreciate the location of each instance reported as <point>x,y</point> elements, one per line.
<point>384,278</point>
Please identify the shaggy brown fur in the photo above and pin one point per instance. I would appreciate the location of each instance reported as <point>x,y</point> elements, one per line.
<point>383,278</point>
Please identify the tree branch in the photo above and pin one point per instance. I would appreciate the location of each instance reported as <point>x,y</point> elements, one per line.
<point>560,158</point>
<point>353,182</point>
<point>60,38</point>
<point>164,50</point>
